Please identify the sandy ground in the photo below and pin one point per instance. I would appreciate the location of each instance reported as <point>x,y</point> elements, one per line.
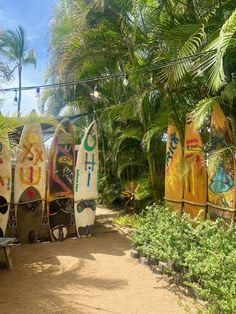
<point>87,275</point>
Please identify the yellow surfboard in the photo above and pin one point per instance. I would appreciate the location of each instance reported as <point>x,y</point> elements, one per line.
<point>195,173</point>
<point>174,169</point>
<point>221,199</point>
<point>5,183</point>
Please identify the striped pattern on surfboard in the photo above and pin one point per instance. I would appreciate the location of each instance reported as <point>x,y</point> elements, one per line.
<point>195,173</point>
<point>221,195</point>
<point>5,183</point>
<point>85,189</point>
<point>174,169</point>
<point>30,182</point>
<point>60,180</point>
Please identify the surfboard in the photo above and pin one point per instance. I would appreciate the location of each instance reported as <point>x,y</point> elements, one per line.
<point>174,169</point>
<point>195,173</point>
<point>30,183</point>
<point>221,198</point>
<point>60,180</point>
<point>5,183</point>
<point>85,188</point>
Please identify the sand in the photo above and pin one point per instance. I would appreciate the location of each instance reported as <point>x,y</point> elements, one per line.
<point>86,275</point>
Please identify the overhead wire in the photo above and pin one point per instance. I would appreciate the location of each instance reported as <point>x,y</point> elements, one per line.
<point>153,67</point>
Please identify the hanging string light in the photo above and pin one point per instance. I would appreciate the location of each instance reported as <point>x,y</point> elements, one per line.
<point>95,94</point>
<point>15,99</point>
<point>160,65</point>
<point>37,94</point>
<point>126,80</point>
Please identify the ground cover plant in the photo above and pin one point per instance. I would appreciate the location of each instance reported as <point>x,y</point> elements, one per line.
<point>203,252</point>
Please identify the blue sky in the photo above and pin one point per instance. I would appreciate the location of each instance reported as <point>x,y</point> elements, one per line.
<point>34,16</point>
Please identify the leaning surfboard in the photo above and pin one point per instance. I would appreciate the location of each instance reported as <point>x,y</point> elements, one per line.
<point>173,169</point>
<point>221,198</point>
<point>5,183</point>
<point>195,173</point>
<point>30,183</point>
<point>85,189</point>
<point>60,180</point>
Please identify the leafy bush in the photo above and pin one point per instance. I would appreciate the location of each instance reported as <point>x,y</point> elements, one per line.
<point>203,251</point>
<point>131,221</point>
<point>109,192</point>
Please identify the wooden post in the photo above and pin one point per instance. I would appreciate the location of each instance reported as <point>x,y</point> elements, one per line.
<point>8,257</point>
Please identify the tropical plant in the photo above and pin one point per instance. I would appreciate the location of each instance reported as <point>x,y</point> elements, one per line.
<point>98,38</point>
<point>13,47</point>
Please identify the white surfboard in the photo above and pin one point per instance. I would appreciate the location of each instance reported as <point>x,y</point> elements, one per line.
<point>5,184</point>
<point>30,182</point>
<point>85,183</point>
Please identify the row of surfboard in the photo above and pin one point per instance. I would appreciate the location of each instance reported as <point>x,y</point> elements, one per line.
<point>69,184</point>
<point>189,183</point>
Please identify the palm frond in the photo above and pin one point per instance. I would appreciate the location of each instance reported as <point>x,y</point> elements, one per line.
<point>218,156</point>
<point>213,63</point>
<point>9,122</point>
<point>129,163</point>
<point>202,110</point>
<point>158,126</point>
<point>187,41</point>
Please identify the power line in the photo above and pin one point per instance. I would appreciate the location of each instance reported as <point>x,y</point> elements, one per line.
<point>157,66</point>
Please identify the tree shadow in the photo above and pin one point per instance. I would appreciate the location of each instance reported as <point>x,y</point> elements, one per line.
<point>51,276</point>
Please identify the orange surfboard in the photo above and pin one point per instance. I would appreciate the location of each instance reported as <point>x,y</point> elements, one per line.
<point>174,169</point>
<point>195,173</point>
<point>221,199</point>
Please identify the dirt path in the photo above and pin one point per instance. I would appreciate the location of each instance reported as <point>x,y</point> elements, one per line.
<point>87,275</point>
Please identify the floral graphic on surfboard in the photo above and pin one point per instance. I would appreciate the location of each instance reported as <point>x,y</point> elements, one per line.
<point>85,188</point>
<point>60,180</point>
<point>221,179</point>
<point>5,183</point>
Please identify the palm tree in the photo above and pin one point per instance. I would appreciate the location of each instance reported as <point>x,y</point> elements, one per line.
<point>120,36</point>
<point>13,47</point>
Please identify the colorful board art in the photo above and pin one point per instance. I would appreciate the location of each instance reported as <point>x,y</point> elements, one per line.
<point>174,169</point>
<point>30,183</point>
<point>85,189</point>
<point>195,173</point>
<point>60,180</point>
<point>221,199</point>
<point>5,183</point>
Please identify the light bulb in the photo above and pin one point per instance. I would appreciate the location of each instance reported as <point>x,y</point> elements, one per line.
<point>96,93</point>
<point>37,95</point>
<point>15,99</point>
<point>126,80</point>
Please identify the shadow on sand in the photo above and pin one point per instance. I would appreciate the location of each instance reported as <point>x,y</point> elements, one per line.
<point>50,277</point>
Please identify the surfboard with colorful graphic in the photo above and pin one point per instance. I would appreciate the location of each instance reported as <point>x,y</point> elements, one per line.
<point>30,183</point>
<point>5,183</point>
<point>60,180</point>
<point>174,169</point>
<point>85,189</point>
<point>221,198</point>
<point>195,173</point>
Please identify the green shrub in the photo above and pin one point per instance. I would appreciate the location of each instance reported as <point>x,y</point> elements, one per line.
<point>131,221</point>
<point>204,251</point>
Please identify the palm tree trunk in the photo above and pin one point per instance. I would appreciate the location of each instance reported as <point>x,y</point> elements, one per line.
<point>19,99</point>
<point>153,175</point>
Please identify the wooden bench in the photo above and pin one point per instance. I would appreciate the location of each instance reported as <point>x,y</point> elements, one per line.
<point>5,245</point>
